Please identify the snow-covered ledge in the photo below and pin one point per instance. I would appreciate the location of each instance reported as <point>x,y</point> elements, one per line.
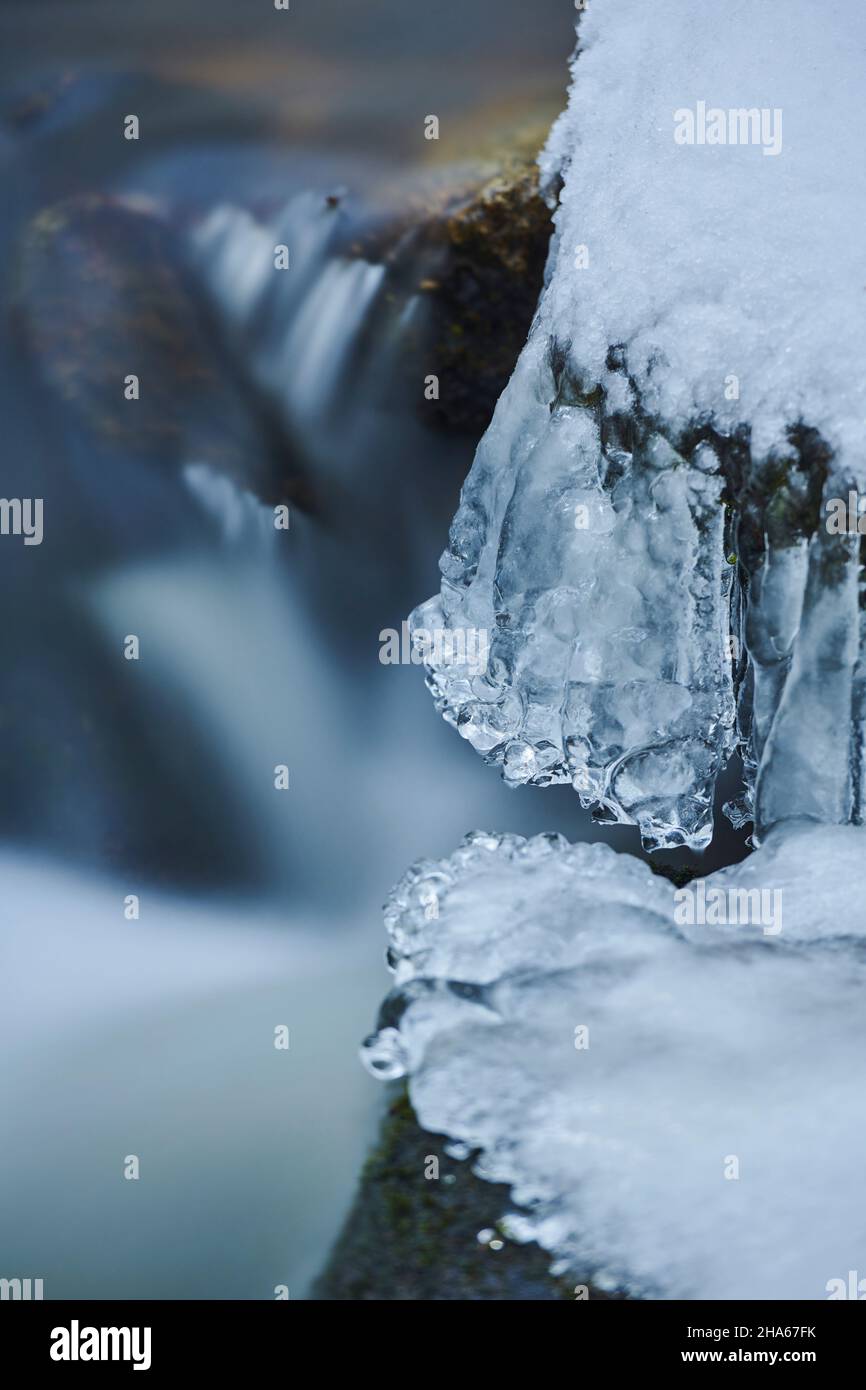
<point>643,535</point>
<point>660,534</point>
<point>670,1080</point>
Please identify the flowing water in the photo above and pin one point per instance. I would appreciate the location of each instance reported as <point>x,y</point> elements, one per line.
<point>258,908</point>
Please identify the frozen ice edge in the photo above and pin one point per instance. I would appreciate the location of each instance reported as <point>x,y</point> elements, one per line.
<point>703,576</point>
<point>723,1043</point>
<point>706,1044</point>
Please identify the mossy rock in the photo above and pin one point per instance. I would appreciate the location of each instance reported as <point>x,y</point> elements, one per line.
<point>411,1237</point>
<point>485,297</point>
<point>470,241</point>
<point>102,292</point>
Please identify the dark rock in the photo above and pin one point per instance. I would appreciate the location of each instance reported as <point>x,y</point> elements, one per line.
<point>409,1237</point>
<point>472,241</point>
<point>102,293</point>
<point>485,297</point>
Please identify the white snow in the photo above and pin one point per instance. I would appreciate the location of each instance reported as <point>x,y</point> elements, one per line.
<point>718,259</point>
<point>729,276</point>
<point>710,1141</point>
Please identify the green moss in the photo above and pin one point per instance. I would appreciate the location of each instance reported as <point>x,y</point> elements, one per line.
<point>492,246</point>
<point>411,1237</point>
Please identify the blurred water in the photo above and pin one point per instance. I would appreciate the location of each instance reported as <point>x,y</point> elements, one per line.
<point>155,1037</point>
<point>344,76</point>
<point>257,647</point>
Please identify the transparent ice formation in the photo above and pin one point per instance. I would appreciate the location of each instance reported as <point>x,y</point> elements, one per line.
<point>594,561</point>
<point>677,1108</point>
<point>670,1080</point>
<point>642,534</point>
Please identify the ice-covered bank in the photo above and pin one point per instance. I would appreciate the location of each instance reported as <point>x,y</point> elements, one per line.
<point>643,531</point>
<point>670,1080</point>
<point>677,1104</point>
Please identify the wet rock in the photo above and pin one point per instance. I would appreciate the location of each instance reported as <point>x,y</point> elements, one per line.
<point>485,296</point>
<point>469,242</point>
<point>102,295</point>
